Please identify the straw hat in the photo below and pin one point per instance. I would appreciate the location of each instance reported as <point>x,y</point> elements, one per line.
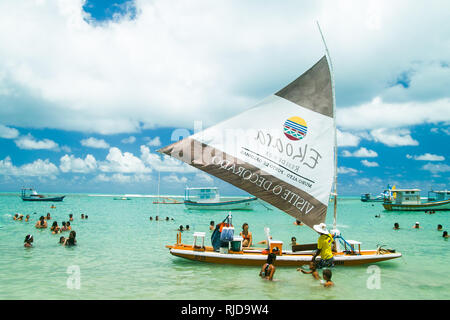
<point>321,228</point>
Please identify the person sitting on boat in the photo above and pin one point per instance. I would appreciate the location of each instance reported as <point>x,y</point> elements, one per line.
<point>55,228</point>
<point>439,227</point>
<point>28,241</point>
<point>268,269</point>
<point>48,217</point>
<point>71,240</point>
<point>27,218</point>
<point>312,270</point>
<point>246,235</point>
<point>294,241</point>
<point>417,226</point>
<point>445,234</point>
<point>41,223</point>
<point>327,278</point>
<point>324,247</point>
<point>211,225</point>
<point>70,217</point>
<point>396,226</point>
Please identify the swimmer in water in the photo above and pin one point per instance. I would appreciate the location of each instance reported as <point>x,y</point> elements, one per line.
<point>71,240</point>
<point>20,217</point>
<point>16,216</point>
<point>417,226</point>
<point>55,228</point>
<point>70,217</point>
<point>396,226</point>
<point>298,223</point>
<point>312,270</point>
<point>62,240</point>
<point>41,223</point>
<point>64,226</point>
<point>28,241</point>
<point>327,278</point>
<point>180,228</point>
<point>27,218</point>
<point>211,225</point>
<point>82,216</point>
<point>68,225</point>
<point>445,234</point>
<point>48,216</point>
<point>439,227</point>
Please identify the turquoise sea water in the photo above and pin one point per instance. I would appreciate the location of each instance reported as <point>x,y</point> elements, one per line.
<point>122,255</point>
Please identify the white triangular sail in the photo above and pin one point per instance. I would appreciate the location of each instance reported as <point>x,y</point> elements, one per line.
<point>281,150</point>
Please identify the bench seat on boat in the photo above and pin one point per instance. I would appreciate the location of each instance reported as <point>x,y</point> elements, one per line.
<point>304,247</point>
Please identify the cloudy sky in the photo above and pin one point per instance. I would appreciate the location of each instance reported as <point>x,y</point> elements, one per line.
<point>89,90</point>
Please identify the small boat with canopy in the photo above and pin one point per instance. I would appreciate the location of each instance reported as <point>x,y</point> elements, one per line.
<point>284,152</point>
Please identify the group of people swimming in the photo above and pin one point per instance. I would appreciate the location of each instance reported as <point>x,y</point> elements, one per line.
<point>55,229</point>
<point>417,226</point>
<point>324,249</point>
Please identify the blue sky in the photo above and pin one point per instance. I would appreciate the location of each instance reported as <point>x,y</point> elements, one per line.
<point>87,97</point>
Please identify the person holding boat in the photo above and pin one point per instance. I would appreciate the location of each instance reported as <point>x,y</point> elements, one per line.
<point>246,235</point>
<point>324,247</point>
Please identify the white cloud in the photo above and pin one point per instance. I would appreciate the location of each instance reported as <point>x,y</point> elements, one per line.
<point>426,157</point>
<point>123,178</point>
<point>436,168</point>
<point>94,143</point>
<point>394,137</point>
<point>367,163</point>
<point>72,164</point>
<point>174,179</point>
<point>360,153</point>
<point>126,162</point>
<point>347,139</point>
<point>164,67</point>
<point>38,168</point>
<point>8,133</point>
<point>203,177</point>
<point>155,142</point>
<point>377,113</point>
<point>130,139</point>
<point>28,142</point>
<point>165,163</point>
<point>345,170</point>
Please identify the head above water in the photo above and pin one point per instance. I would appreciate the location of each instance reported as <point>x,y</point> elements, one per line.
<point>327,274</point>
<point>28,238</point>
<point>211,223</point>
<point>271,257</point>
<point>445,234</point>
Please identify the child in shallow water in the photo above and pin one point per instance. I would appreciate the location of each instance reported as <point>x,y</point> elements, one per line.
<point>312,271</point>
<point>327,278</point>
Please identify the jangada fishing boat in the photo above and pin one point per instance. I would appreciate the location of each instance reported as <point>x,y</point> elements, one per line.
<point>283,151</point>
<point>32,195</point>
<point>209,199</point>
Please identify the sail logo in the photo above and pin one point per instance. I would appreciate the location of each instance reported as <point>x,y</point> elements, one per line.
<point>295,128</point>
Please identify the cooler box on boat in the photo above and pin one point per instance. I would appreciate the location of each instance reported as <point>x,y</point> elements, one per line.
<point>236,244</point>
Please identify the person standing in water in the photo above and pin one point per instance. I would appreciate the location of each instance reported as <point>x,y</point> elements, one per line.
<point>71,240</point>
<point>327,278</point>
<point>324,247</point>
<point>268,269</point>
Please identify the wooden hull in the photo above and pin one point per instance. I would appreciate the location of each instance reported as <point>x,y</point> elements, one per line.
<point>53,199</point>
<point>245,204</point>
<point>437,205</point>
<point>285,260</point>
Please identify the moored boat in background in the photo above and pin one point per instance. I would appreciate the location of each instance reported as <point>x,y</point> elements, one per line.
<point>34,196</point>
<point>410,200</point>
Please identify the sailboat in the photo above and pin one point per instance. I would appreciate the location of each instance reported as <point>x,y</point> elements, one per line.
<point>282,151</point>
